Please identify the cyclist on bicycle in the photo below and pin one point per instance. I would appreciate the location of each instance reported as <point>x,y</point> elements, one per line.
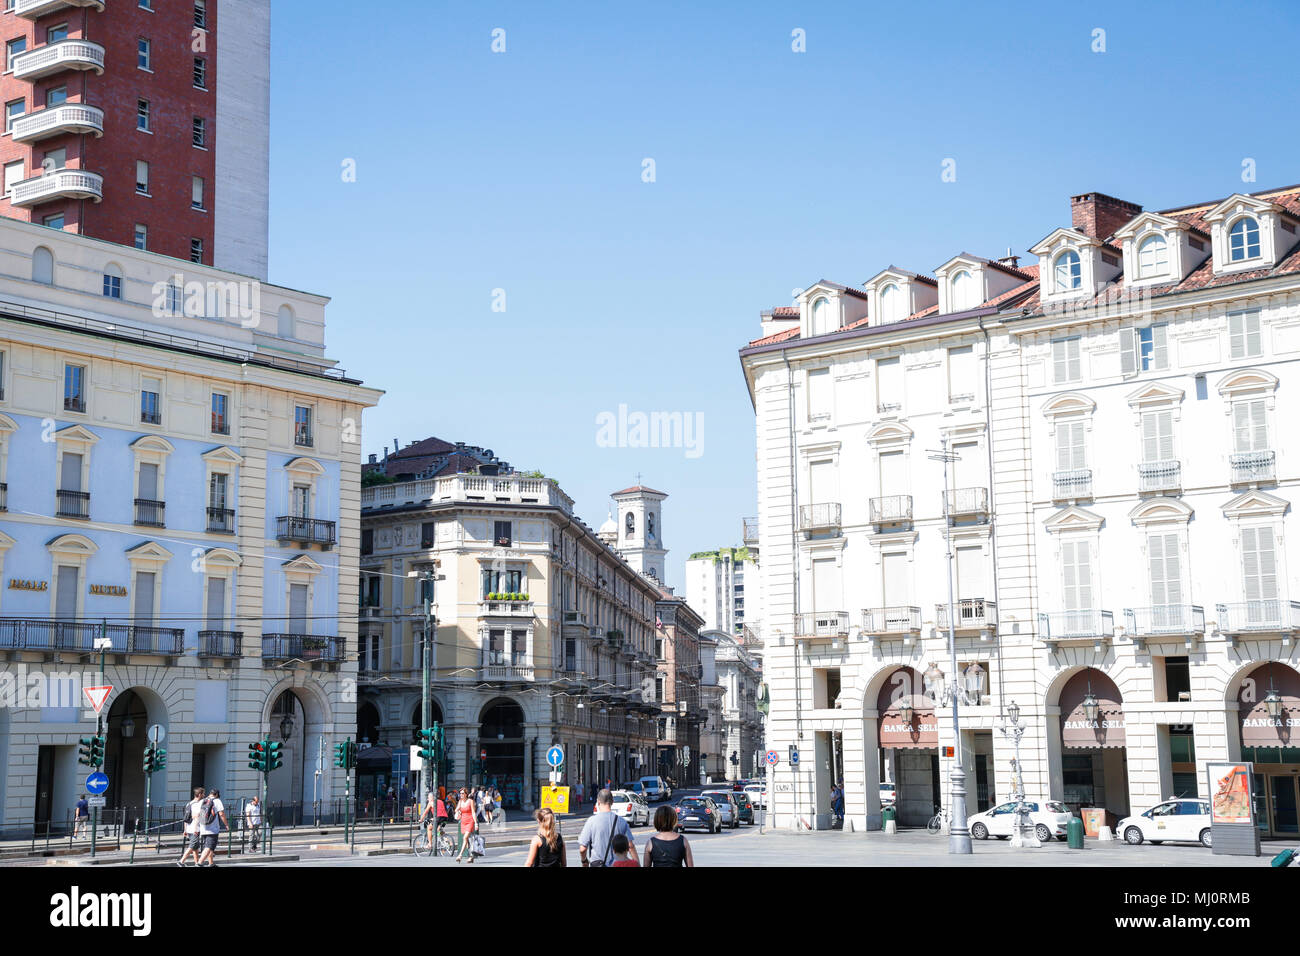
<point>435,815</point>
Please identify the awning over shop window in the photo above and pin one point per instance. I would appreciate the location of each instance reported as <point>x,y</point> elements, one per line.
<point>1258,727</point>
<point>922,731</point>
<point>1078,730</point>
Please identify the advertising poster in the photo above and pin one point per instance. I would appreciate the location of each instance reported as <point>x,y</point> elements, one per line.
<point>1230,793</point>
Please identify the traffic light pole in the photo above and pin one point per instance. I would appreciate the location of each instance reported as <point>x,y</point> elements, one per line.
<point>428,774</point>
<point>99,732</point>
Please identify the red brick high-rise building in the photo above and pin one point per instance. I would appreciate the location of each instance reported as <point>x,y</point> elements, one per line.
<point>141,122</point>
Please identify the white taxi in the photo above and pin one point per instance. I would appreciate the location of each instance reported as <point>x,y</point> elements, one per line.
<point>631,807</point>
<point>1181,820</point>
<point>1048,818</point>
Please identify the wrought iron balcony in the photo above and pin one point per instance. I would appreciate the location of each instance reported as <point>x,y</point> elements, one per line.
<point>1075,484</point>
<point>74,403</point>
<point>1184,621</point>
<point>750,526</point>
<point>1166,475</point>
<point>72,504</point>
<point>59,184</point>
<point>221,521</point>
<point>33,9</point>
<point>967,502</point>
<point>305,530</point>
<point>891,509</point>
<point>1089,625</point>
<point>819,517</point>
<point>1276,616</point>
<point>80,636</point>
<point>303,647</point>
<point>223,644</point>
<point>51,58</point>
<point>896,620</point>
<point>1252,467</point>
<point>57,120</point>
<point>972,614</point>
<point>150,513</point>
<point>822,624</point>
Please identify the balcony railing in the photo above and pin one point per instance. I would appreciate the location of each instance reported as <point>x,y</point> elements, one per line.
<point>59,184</point>
<point>506,672</point>
<point>303,647</point>
<point>306,530</point>
<point>506,608</point>
<point>224,644</point>
<point>972,614</point>
<point>4,496</point>
<point>1076,625</point>
<point>221,520</point>
<point>898,619</point>
<point>891,509</point>
<point>514,489</point>
<point>822,624</point>
<point>819,517</point>
<point>1252,467</point>
<point>51,58</point>
<point>750,526</point>
<point>72,504</point>
<point>57,120</point>
<point>74,403</point>
<point>1164,475</point>
<point>80,637</point>
<point>302,435</point>
<point>967,502</point>
<point>1254,617</point>
<point>1165,620</point>
<point>1074,484</point>
<point>32,9</point>
<point>150,512</point>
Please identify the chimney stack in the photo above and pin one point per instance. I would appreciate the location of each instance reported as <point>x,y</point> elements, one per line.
<point>1098,215</point>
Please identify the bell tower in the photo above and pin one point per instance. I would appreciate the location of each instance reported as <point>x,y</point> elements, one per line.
<point>640,529</point>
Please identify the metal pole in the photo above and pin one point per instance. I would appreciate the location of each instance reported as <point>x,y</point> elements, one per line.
<point>427,772</point>
<point>99,732</point>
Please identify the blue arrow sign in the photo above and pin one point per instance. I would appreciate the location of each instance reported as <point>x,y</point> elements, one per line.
<point>555,756</point>
<point>794,756</point>
<point>97,782</point>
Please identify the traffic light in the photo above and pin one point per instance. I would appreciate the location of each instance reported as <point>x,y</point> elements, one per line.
<point>273,761</point>
<point>345,754</point>
<point>159,758</point>
<point>87,751</point>
<point>154,759</point>
<point>257,756</point>
<point>428,741</point>
<point>451,767</point>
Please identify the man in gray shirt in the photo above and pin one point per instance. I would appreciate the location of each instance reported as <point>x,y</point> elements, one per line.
<point>595,842</point>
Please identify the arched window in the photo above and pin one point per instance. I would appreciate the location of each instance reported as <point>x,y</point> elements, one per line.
<point>963,291</point>
<point>112,281</point>
<point>1243,240</point>
<point>284,324</point>
<point>43,266</point>
<point>821,323</point>
<point>1069,274</point>
<point>631,524</point>
<point>891,303</point>
<point>1153,257</point>
<point>650,525</point>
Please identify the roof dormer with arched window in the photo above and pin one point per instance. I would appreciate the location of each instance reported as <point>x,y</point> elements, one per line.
<point>1073,264</point>
<point>895,293</point>
<point>967,282</point>
<point>1159,249</point>
<point>827,307</point>
<point>1250,233</point>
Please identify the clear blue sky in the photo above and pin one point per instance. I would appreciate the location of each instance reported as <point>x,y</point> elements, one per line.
<point>522,171</point>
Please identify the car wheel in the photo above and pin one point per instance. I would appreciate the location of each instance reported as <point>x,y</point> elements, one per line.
<point>1043,833</point>
<point>979,831</point>
<point>1207,838</point>
<point>1133,836</point>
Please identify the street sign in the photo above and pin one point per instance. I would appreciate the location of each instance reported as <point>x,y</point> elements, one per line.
<point>103,643</point>
<point>772,757</point>
<point>98,695</point>
<point>157,733</point>
<point>416,759</point>
<point>794,756</point>
<point>947,751</point>
<point>555,799</point>
<point>96,801</point>
<point>483,754</point>
<point>97,782</point>
<point>555,756</point>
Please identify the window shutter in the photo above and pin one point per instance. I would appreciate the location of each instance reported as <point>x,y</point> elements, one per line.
<point>1128,352</point>
<point>1160,346</point>
<point>1236,338</point>
<point>1166,577</point>
<point>1251,322</point>
<point>1258,425</point>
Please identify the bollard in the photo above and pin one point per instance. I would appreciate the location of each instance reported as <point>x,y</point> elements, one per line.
<point>1074,833</point>
<point>135,833</point>
<point>381,833</point>
<point>891,826</point>
<point>1104,834</point>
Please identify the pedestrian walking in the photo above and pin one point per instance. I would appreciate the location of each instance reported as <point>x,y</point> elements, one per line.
<point>82,815</point>
<point>667,847</point>
<point>581,793</point>
<point>193,832</point>
<point>595,843</point>
<point>253,821</point>
<point>211,821</point>
<point>547,847</point>
<point>623,855</point>
<point>468,825</point>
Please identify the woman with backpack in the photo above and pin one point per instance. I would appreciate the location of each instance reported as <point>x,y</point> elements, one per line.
<point>193,831</point>
<point>547,847</point>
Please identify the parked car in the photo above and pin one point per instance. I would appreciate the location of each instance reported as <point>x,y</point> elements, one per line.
<point>1174,821</point>
<point>726,801</point>
<point>631,808</point>
<point>698,813</point>
<point>1048,818</point>
<point>887,794</point>
<point>656,789</point>
<point>746,807</point>
<point>758,794</point>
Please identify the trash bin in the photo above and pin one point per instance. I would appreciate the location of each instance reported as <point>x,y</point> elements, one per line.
<point>887,814</point>
<point>1074,833</point>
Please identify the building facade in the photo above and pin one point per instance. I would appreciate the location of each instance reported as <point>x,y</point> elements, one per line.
<point>543,633</point>
<point>1117,500</point>
<point>142,123</point>
<point>177,477</point>
<point>716,585</point>
<point>678,688</point>
<point>713,732</point>
<point>738,677</point>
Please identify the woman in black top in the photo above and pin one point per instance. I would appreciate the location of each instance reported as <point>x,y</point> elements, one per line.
<point>547,848</point>
<point>667,847</point>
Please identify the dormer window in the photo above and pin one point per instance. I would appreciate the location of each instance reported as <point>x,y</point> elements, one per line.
<point>1153,257</point>
<point>1243,240</point>
<point>821,316</point>
<point>963,291</point>
<point>891,303</point>
<point>1068,271</point>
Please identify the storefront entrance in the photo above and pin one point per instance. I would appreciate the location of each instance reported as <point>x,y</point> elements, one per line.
<point>1094,755</point>
<point>909,747</point>
<point>501,750</point>
<point>1272,742</point>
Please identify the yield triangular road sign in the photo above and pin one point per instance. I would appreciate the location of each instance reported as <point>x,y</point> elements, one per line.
<point>98,695</point>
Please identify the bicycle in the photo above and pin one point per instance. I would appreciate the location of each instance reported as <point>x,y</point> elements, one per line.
<point>938,822</point>
<point>443,844</point>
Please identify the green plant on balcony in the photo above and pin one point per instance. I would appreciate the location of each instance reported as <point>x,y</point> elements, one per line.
<point>313,644</point>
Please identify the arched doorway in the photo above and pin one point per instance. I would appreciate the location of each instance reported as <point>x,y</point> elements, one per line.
<point>501,737</point>
<point>126,732</point>
<point>367,723</point>
<point>909,745</point>
<point>1094,753</point>
<point>288,725</point>
<point>417,716</point>
<point>1268,701</point>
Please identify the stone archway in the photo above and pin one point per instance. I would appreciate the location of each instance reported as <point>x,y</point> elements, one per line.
<point>128,719</point>
<point>1267,718</point>
<point>1087,740</point>
<point>367,722</point>
<point>502,737</point>
<point>295,784</point>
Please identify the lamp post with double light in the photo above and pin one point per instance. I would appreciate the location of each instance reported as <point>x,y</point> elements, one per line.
<point>1013,729</point>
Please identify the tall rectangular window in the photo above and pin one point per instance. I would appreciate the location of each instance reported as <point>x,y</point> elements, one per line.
<point>112,285</point>
<point>200,72</point>
<point>819,394</point>
<point>201,14</point>
<point>1065,360</point>
<point>1157,435</point>
<point>961,374</point>
<point>142,115</point>
<point>1166,575</point>
<point>13,48</point>
<point>302,425</point>
<point>196,192</point>
<point>1259,564</point>
<point>13,110</point>
<point>141,176</point>
<point>74,394</point>
<point>1071,452</point>
<point>144,54</point>
<point>196,250</point>
<point>889,384</point>
<point>150,402</point>
<point>217,491</point>
<point>1249,429</point>
<point>14,173</point>
<point>141,236</point>
<point>1076,572</point>
<point>1243,334</point>
<point>502,534</point>
<point>220,421</point>
<point>200,132</point>
<point>1153,346</point>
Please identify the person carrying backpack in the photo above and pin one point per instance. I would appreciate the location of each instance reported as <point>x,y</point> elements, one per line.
<point>212,817</point>
<point>193,832</point>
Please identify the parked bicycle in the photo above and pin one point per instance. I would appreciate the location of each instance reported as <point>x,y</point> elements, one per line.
<point>939,822</point>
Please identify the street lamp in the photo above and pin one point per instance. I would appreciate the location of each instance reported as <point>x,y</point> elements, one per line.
<point>286,727</point>
<point>128,727</point>
<point>1012,728</point>
<point>905,710</point>
<point>1091,706</point>
<point>1273,702</point>
<point>974,682</point>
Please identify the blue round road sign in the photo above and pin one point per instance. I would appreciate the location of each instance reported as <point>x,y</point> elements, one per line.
<point>97,783</point>
<point>772,758</point>
<point>555,756</point>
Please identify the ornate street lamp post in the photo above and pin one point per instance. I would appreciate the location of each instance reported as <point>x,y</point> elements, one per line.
<point>1013,729</point>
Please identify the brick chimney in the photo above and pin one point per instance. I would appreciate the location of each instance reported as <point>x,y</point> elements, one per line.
<point>1099,215</point>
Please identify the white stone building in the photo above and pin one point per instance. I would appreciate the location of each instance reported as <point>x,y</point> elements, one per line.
<point>1118,513</point>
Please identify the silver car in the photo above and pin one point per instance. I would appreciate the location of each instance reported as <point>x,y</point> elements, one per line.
<point>727,804</point>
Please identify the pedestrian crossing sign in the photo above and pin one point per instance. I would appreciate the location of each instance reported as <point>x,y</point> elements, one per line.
<point>555,799</point>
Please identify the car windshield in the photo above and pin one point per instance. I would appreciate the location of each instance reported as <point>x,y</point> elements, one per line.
<point>694,802</point>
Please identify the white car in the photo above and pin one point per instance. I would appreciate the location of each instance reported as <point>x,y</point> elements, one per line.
<point>1174,820</point>
<point>887,794</point>
<point>1048,818</point>
<point>656,789</point>
<point>757,795</point>
<point>631,807</point>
